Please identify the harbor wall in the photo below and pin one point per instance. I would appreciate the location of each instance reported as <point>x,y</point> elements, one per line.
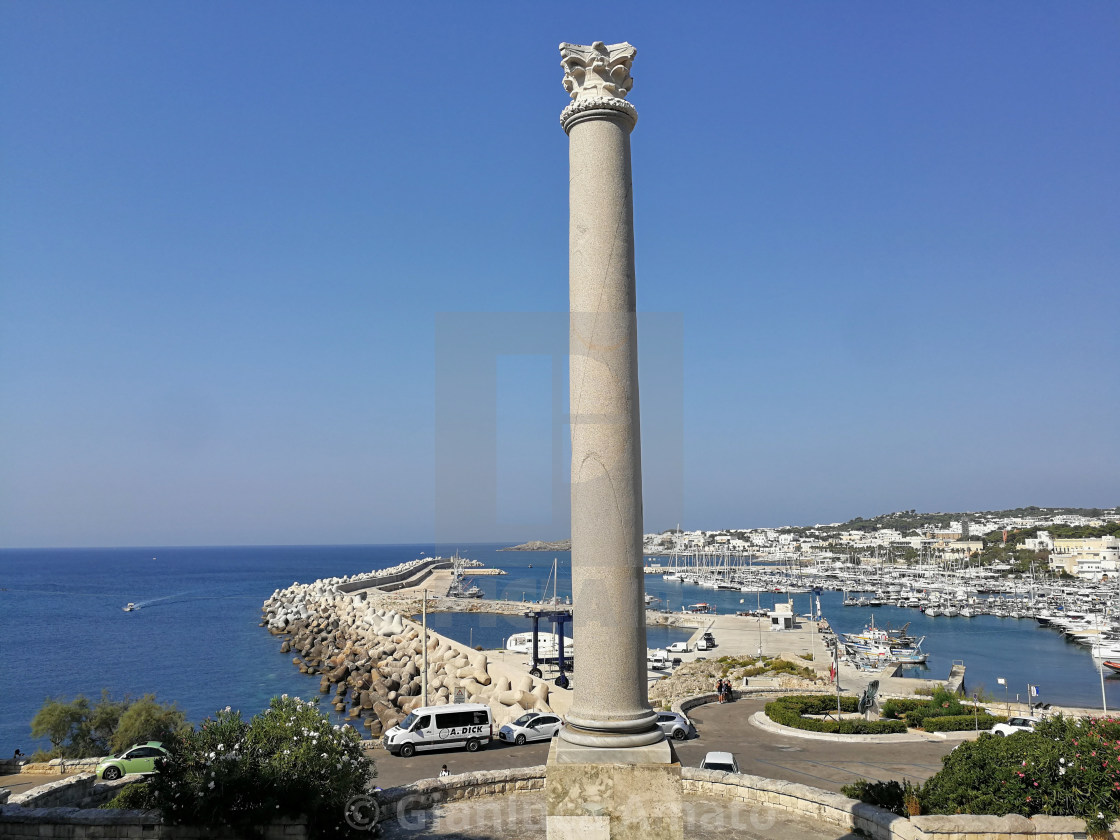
<point>397,580</point>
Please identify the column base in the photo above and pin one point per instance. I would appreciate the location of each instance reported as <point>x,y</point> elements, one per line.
<point>595,793</point>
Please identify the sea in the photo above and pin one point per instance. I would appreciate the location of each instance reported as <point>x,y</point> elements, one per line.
<point>196,641</point>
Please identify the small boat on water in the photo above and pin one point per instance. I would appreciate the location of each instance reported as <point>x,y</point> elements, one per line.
<point>129,607</point>
<point>1112,666</point>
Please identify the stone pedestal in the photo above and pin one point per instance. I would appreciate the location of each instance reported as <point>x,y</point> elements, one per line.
<point>638,798</point>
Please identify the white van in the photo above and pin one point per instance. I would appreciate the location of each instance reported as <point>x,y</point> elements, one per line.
<point>656,660</point>
<point>467,725</point>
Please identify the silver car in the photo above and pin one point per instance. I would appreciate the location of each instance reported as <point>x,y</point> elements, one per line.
<point>531,726</point>
<point>675,726</point>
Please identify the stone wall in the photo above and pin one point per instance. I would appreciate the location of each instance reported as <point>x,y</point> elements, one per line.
<point>93,824</point>
<point>80,791</point>
<point>55,767</point>
<point>430,792</point>
<point>847,815</point>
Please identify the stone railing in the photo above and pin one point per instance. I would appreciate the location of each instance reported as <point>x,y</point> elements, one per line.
<point>848,815</point>
<point>55,767</point>
<point>80,791</point>
<point>95,824</point>
<point>425,794</point>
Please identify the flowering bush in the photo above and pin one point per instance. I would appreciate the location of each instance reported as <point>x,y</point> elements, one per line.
<point>288,761</point>
<point>1066,767</point>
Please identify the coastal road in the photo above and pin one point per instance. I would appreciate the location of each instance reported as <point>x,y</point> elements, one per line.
<point>823,764</point>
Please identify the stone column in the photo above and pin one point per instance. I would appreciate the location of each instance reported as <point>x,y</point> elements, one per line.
<point>611,773</point>
<point>610,706</point>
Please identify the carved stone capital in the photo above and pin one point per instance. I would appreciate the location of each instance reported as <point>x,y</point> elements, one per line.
<point>597,78</point>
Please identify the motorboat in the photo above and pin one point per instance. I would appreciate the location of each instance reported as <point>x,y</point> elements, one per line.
<point>546,643</point>
<point>129,607</point>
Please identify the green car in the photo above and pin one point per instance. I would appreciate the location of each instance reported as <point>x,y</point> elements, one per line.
<point>140,758</point>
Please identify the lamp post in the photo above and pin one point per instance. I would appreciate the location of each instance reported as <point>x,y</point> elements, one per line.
<point>424,650</point>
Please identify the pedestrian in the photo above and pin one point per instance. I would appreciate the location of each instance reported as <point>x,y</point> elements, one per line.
<point>719,690</point>
<point>444,771</point>
<point>18,754</point>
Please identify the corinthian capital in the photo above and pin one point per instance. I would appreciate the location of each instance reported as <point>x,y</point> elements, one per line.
<point>597,77</point>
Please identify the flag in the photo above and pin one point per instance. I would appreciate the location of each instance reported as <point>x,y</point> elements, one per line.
<point>1001,681</point>
<point>1034,691</point>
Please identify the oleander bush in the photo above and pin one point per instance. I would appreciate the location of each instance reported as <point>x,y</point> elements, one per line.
<point>1066,767</point>
<point>238,776</point>
<point>790,711</point>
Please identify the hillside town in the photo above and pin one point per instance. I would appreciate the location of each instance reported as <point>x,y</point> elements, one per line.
<point>1082,543</point>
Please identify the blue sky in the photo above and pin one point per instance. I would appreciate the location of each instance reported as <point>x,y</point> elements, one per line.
<point>877,242</point>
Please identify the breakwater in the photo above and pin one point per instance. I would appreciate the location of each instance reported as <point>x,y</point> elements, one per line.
<point>372,657</point>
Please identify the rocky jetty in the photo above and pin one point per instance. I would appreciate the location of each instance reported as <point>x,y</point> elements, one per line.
<point>371,658</point>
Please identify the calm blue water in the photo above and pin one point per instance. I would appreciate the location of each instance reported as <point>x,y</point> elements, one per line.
<point>196,639</point>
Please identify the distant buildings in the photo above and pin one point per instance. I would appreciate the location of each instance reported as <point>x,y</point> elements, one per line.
<point>932,542</point>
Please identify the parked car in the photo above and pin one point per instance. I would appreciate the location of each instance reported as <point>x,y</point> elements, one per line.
<point>675,726</point>
<point>531,726</point>
<point>720,761</point>
<point>678,647</point>
<point>140,758</point>
<point>1013,725</point>
<point>704,644</point>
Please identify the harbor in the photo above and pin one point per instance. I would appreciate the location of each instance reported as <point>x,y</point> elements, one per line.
<point>1014,633</point>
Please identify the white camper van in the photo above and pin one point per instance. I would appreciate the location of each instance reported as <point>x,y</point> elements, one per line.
<point>441,727</point>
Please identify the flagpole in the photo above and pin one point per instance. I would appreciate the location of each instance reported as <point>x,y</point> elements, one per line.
<point>1100,667</point>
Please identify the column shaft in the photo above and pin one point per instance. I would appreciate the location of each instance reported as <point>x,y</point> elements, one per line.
<point>610,705</point>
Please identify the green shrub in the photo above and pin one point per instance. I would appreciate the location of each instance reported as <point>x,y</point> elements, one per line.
<point>131,797</point>
<point>961,723</point>
<point>891,796</point>
<point>896,708</point>
<point>789,711</point>
<point>238,776</point>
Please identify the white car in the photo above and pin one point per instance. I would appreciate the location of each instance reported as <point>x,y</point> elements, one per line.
<point>720,761</point>
<point>675,726</point>
<point>1013,725</point>
<point>531,726</point>
<point>678,647</point>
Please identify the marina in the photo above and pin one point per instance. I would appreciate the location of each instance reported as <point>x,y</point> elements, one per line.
<point>196,601</point>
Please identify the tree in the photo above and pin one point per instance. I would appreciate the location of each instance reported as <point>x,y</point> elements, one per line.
<point>77,729</point>
<point>146,720</point>
<point>62,723</point>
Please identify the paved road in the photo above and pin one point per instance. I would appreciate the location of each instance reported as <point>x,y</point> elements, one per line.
<point>823,764</point>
